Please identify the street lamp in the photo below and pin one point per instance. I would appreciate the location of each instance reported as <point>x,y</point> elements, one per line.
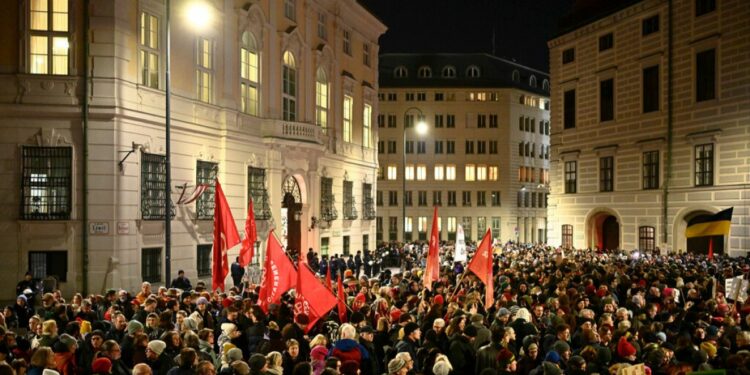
<point>198,16</point>
<point>421,129</point>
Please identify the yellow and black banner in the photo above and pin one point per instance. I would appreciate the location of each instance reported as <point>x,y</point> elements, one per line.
<point>714,225</point>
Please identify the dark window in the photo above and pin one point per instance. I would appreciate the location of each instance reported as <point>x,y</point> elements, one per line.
<point>704,165</point>
<point>450,121</point>
<point>450,147</point>
<point>607,100</point>
<point>481,147</point>
<point>151,264</point>
<point>571,176</point>
<point>378,232</point>
<point>437,198</point>
<point>392,198</point>
<point>392,228</point>
<point>705,75</point>
<point>368,206</point>
<point>153,180</point>
<point>391,147</point>
<point>346,245</point>
<point>379,195</point>
<point>46,183</point>
<point>438,147</point>
<point>466,199</point>
<point>469,147</point>
<point>381,117</point>
<point>49,263</point>
<point>439,96</point>
<point>325,242</point>
<point>409,147</point>
<point>421,147</point>
<point>350,206</point>
<point>495,199</point>
<point>256,189</point>
<point>365,243</point>
<point>391,120</point>
<point>205,174</point>
<point>651,89</point>
<point>381,147</point>
<point>646,238</point>
<point>493,121</point>
<point>569,55</point>
<point>204,260</point>
<point>567,236</point>
<point>704,6</point>
<point>493,147</point>
<point>439,121</point>
<point>569,120</point>
<point>606,173</point>
<point>408,198</point>
<point>650,25</point>
<point>481,199</point>
<point>422,198</point>
<point>481,121</point>
<point>651,170</point>
<point>606,42</point>
<point>452,198</point>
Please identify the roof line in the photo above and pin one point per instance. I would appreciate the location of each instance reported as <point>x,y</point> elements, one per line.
<point>466,54</point>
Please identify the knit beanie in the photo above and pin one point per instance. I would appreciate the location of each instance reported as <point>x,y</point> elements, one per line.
<point>101,366</point>
<point>234,354</point>
<point>157,346</point>
<point>625,348</point>
<point>395,365</point>
<point>256,362</point>
<point>134,326</point>
<point>68,340</point>
<point>552,356</point>
<point>505,358</point>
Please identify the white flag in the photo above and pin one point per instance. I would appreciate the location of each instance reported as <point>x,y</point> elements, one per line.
<point>460,253</point>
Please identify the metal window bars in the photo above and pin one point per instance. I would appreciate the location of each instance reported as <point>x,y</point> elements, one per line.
<point>350,207</point>
<point>256,185</point>
<point>153,179</point>
<point>206,174</point>
<point>327,200</point>
<point>46,183</point>
<point>368,206</point>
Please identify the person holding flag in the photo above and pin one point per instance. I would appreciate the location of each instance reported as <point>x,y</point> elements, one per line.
<point>279,274</point>
<point>432,270</point>
<point>481,265</point>
<point>225,237</point>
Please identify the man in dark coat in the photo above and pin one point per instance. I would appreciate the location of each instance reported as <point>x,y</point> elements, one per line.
<point>461,353</point>
<point>487,354</point>
<point>157,359</point>
<point>357,264</point>
<point>366,262</point>
<point>410,342</point>
<point>237,272</point>
<point>181,282</point>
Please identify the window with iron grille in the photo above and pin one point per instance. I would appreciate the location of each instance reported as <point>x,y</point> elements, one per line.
<point>153,183</point>
<point>606,173</point>
<point>571,176</point>
<point>327,207</point>
<point>704,164</point>
<point>256,189</point>
<point>368,206</point>
<point>151,264</point>
<point>205,174</point>
<point>350,207</point>
<point>646,238</point>
<point>567,236</point>
<point>49,263</point>
<point>651,170</point>
<point>46,183</point>
<point>204,260</point>
<point>347,242</point>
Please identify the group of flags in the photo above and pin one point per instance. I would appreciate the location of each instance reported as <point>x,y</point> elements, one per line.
<point>227,237</point>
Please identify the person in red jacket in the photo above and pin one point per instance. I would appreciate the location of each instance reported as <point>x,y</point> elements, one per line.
<point>347,348</point>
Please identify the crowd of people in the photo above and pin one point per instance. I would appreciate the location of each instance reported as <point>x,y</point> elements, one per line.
<point>555,311</point>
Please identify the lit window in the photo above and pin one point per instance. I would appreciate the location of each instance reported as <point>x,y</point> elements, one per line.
<point>421,172</point>
<point>470,172</point>
<point>289,87</point>
<point>439,170</point>
<point>450,172</point>
<point>409,172</point>
<point>366,125</point>
<point>204,70</point>
<point>149,50</point>
<point>408,224</point>
<point>249,77</point>
<point>49,41</point>
<point>422,224</point>
<point>493,173</point>
<point>392,172</point>
<point>321,100</point>
<point>481,173</point>
<point>348,107</point>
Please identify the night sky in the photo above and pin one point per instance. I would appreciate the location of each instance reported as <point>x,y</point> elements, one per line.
<point>522,27</point>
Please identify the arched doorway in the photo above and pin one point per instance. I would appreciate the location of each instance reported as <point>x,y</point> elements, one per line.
<point>291,211</point>
<point>699,245</point>
<point>603,230</point>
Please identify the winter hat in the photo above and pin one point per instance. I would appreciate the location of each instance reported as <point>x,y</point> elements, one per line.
<point>409,328</point>
<point>505,357</point>
<point>549,368</point>
<point>256,362</point>
<point>503,312</point>
<point>134,326</point>
<point>709,348</point>
<point>442,368</point>
<point>712,332</point>
<point>50,372</point>
<point>395,315</point>
<point>157,346</point>
<point>470,330</point>
<point>394,366</point>
<point>661,336</point>
<point>68,340</point>
<point>552,356</point>
<point>438,300</point>
<point>234,354</point>
<point>625,348</point>
<point>201,301</point>
<point>560,346</point>
<point>101,366</point>
<point>190,324</point>
<point>21,296</point>
<point>227,347</point>
<point>228,328</point>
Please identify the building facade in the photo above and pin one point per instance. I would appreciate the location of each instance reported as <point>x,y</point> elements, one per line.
<point>484,158</point>
<point>275,99</point>
<point>650,126</point>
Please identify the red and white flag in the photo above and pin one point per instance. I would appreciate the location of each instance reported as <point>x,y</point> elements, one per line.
<point>341,301</point>
<point>481,265</point>
<point>251,235</point>
<point>279,274</point>
<point>432,270</point>
<point>312,297</point>
<point>225,237</point>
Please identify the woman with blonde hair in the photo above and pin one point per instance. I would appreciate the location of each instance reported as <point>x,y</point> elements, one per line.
<point>275,363</point>
<point>49,334</point>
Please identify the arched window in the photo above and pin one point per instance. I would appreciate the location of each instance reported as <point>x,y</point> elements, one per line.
<point>400,72</point>
<point>473,71</point>
<point>516,76</point>
<point>321,100</point>
<point>424,72</point>
<point>545,85</point>
<point>532,81</point>
<point>249,74</point>
<point>289,87</point>
<point>449,72</point>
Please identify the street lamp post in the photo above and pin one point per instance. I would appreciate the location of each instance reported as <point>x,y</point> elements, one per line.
<point>421,128</point>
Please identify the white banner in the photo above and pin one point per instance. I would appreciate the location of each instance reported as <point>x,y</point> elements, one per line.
<point>460,254</point>
<point>736,287</point>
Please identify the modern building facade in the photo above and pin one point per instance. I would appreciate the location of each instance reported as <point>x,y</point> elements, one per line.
<point>276,99</point>
<point>484,158</point>
<point>650,124</point>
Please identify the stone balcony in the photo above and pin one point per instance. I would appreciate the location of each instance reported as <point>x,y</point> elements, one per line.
<point>293,131</point>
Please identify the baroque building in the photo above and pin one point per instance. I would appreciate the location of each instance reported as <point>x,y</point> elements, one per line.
<point>276,99</point>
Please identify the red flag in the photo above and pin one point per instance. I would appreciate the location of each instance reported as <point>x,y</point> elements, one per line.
<point>312,297</point>
<point>279,274</point>
<point>225,237</point>
<point>328,278</point>
<point>432,270</point>
<point>342,301</point>
<point>481,265</point>
<point>711,248</point>
<point>251,235</point>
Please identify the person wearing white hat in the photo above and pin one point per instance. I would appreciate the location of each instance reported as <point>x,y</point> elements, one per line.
<point>157,359</point>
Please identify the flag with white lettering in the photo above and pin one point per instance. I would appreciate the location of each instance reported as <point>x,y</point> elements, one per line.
<point>279,274</point>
